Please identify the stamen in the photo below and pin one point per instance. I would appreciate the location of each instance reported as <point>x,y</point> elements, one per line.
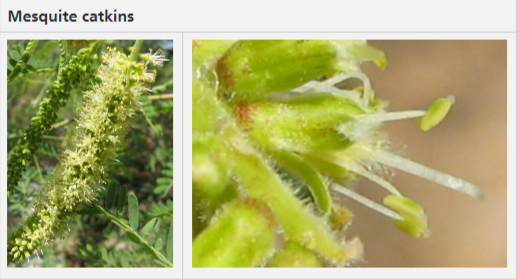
<point>389,159</point>
<point>366,202</point>
<point>358,169</point>
<point>328,86</point>
<point>436,113</point>
<point>390,116</point>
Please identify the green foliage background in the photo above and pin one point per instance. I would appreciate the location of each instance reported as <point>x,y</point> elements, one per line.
<point>145,166</point>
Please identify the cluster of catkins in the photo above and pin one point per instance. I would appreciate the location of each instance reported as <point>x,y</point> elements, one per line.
<point>101,124</point>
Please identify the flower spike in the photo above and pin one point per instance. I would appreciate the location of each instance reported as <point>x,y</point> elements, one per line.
<point>101,123</point>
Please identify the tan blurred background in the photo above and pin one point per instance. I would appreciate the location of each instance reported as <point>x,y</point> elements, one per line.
<point>470,143</point>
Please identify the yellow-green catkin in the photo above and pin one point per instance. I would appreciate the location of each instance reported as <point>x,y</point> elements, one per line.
<point>103,120</point>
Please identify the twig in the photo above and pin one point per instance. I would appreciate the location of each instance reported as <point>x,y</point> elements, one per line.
<point>37,167</point>
<point>160,97</point>
<point>59,124</point>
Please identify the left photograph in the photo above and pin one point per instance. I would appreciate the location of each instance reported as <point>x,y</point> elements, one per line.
<point>90,153</point>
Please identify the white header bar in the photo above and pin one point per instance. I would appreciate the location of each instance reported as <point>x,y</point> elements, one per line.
<point>260,16</point>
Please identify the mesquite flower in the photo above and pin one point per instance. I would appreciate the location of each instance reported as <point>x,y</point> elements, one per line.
<point>266,108</point>
<point>101,124</point>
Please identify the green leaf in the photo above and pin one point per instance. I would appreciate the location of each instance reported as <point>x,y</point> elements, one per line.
<point>112,192</point>
<point>81,249</point>
<point>89,249</point>
<point>168,250</point>
<point>170,204</point>
<point>133,211</point>
<point>159,244</point>
<point>164,180</point>
<point>121,261</point>
<point>121,201</point>
<point>16,206</point>
<point>97,252</point>
<point>160,189</point>
<point>160,263</point>
<point>104,255</point>
<point>149,227</point>
<point>113,263</point>
<point>133,237</point>
<point>162,207</point>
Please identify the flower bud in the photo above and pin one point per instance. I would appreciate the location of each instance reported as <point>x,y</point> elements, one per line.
<point>241,235</point>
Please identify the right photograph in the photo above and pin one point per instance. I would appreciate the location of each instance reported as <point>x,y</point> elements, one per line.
<point>349,153</point>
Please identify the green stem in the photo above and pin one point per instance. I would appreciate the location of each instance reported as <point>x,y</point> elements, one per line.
<point>136,50</point>
<point>62,123</point>
<point>162,87</point>
<point>161,97</point>
<point>134,234</point>
<point>53,137</point>
<point>44,136</point>
<point>37,167</point>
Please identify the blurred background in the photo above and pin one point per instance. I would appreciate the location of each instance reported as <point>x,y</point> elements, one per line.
<point>471,144</point>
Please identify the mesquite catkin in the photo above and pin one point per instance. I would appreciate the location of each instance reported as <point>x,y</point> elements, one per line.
<point>103,120</point>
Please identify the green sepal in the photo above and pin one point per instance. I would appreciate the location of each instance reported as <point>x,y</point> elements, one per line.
<point>289,64</point>
<point>209,166</point>
<point>319,189</point>
<point>297,222</point>
<point>204,51</point>
<point>298,126</point>
<point>294,255</point>
<point>328,167</point>
<point>241,235</point>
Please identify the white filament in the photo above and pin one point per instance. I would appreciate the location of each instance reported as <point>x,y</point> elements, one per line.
<point>360,170</point>
<point>366,202</point>
<point>390,116</point>
<point>389,159</point>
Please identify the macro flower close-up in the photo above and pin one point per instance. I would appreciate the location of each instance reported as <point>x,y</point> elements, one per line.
<point>293,147</point>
